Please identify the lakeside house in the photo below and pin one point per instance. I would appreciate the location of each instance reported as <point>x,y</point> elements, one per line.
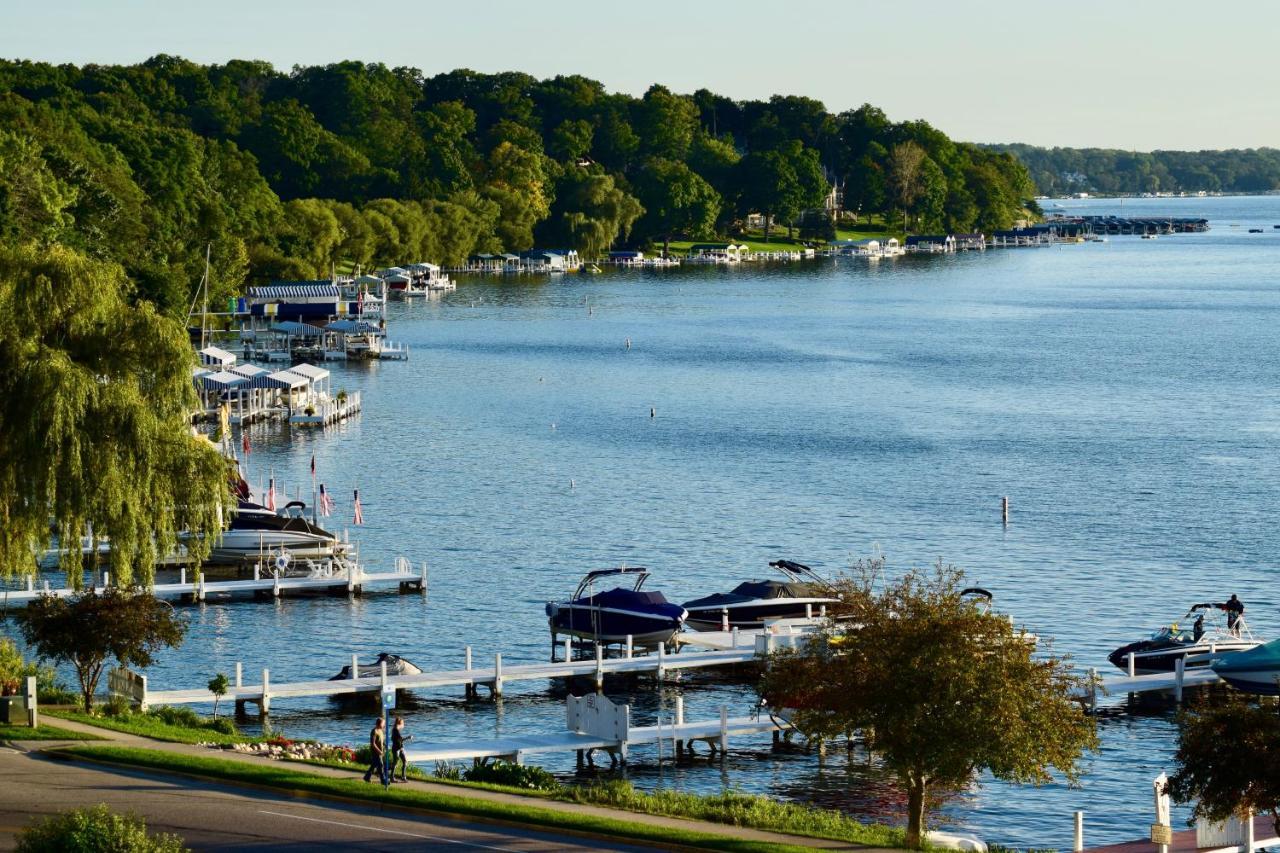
<point>626,258</point>
<point>977,241</point>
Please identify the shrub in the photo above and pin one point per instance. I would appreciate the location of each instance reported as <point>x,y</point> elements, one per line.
<point>445,770</point>
<point>513,776</point>
<point>95,830</point>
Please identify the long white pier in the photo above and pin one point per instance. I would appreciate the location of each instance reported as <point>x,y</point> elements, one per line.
<point>1160,682</point>
<point>752,645</point>
<point>593,722</point>
<point>352,580</point>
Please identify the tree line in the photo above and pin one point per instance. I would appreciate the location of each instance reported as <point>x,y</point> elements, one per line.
<point>287,174</point>
<point>1063,171</point>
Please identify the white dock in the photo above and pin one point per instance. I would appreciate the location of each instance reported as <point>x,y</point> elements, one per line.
<point>593,722</point>
<point>493,677</point>
<point>1160,682</point>
<point>352,581</point>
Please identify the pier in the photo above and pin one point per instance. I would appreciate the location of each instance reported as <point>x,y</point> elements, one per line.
<point>352,580</point>
<point>593,722</point>
<point>754,645</point>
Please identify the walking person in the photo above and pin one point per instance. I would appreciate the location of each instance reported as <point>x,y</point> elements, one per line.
<point>398,740</point>
<point>377,752</point>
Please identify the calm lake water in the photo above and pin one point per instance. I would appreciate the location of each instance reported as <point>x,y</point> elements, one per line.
<point>1122,394</point>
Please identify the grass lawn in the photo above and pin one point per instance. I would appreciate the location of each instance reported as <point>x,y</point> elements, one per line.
<point>276,776</point>
<point>41,732</point>
<point>180,727</point>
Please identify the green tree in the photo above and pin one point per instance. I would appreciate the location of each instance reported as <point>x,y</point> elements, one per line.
<point>905,177</point>
<point>95,401</point>
<point>1228,759</point>
<point>571,139</point>
<point>218,687</point>
<point>517,180</point>
<point>93,628</point>
<point>938,688</point>
<point>676,201</point>
<point>590,212</point>
<point>666,123</point>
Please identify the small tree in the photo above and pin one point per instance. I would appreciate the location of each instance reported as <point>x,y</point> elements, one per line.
<point>88,630</point>
<point>95,828</point>
<point>1228,760</point>
<point>937,687</point>
<point>218,687</point>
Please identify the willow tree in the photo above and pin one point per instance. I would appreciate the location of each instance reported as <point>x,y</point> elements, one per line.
<point>937,688</point>
<point>95,405</point>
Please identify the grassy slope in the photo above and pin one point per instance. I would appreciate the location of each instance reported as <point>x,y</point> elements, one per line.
<point>41,733</point>
<point>137,724</point>
<point>275,776</point>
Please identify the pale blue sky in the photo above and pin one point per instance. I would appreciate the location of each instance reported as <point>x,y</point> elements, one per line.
<point>1127,73</point>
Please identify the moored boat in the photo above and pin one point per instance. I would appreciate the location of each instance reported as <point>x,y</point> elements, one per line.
<point>256,530</point>
<point>1191,640</point>
<point>750,603</point>
<point>609,617</point>
<point>1255,670</point>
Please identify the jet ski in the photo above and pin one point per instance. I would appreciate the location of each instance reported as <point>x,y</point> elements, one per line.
<point>803,593</point>
<point>1161,651</point>
<point>396,665</point>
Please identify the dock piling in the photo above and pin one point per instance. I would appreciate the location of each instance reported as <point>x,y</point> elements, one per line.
<point>31,583</point>
<point>264,706</point>
<point>568,649</point>
<point>735,636</point>
<point>662,661</point>
<point>1004,510</point>
<point>201,593</point>
<point>239,674</point>
<point>808,611</point>
<point>600,668</point>
<point>1079,842</point>
<point>724,619</point>
<point>1179,671</point>
<point>630,647</point>
<point>724,730</point>
<point>469,689</point>
<point>382,676</point>
<point>355,667</point>
<point>679,721</point>
<point>497,675</point>
<point>1131,665</point>
<point>182,575</point>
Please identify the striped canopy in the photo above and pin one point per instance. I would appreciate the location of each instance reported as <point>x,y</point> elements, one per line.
<point>220,381</point>
<point>293,290</point>
<point>310,371</point>
<point>282,380</point>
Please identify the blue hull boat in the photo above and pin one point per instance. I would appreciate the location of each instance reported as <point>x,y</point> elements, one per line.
<point>609,617</point>
<point>1255,671</point>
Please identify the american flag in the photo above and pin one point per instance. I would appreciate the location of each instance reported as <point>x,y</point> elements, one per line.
<point>313,469</point>
<point>359,511</point>
<point>326,502</point>
<point>244,441</point>
<point>271,494</point>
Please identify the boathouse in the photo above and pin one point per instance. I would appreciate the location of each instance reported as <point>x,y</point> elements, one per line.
<point>218,359</point>
<point>717,253</point>
<point>932,244</point>
<point>626,258</point>
<point>543,261</point>
<point>299,301</point>
<point>970,242</point>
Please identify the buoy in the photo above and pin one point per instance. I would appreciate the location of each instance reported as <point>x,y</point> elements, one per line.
<point>572,484</point>
<point>553,426</point>
<point>653,413</point>
<point>628,343</point>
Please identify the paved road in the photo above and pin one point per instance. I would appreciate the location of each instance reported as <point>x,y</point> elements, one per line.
<point>209,816</point>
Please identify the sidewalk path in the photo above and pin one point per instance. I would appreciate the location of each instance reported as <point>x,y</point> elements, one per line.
<point>725,830</point>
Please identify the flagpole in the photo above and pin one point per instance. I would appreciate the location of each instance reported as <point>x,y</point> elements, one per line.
<point>315,519</point>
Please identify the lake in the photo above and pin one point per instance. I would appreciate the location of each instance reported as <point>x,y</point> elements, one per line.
<point>1123,395</point>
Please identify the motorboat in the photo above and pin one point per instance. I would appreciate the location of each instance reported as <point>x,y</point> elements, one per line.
<point>1202,634</point>
<point>803,593</point>
<point>611,616</point>
<point>256,530</point>
<point>396,665</point>
<point>1255,670</point>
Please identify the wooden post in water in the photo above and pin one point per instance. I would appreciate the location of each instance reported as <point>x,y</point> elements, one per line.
<point>724,619</point>
<point>1079,842</point>
<point>568,649</point>
<point>469,690</point>
<point>355,667</point>
<point>1004,510</point>
<point>497,675</point>
<point>1131,665</point>
<point>679,722</point>
<point>724,730</point>
<point>182,575</point>
<point>629,646</point>
<point>599,668</point>
<point>264,706</point>
<point>202,586</point>
<point>239,674</point>
<point>662,661</point>
<point>1179,671</point>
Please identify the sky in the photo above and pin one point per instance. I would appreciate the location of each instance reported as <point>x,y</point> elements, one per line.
<point>1128,74</point>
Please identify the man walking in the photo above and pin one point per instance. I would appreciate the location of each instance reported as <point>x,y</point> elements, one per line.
<point>398,740</point>
<point>377,752</point>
